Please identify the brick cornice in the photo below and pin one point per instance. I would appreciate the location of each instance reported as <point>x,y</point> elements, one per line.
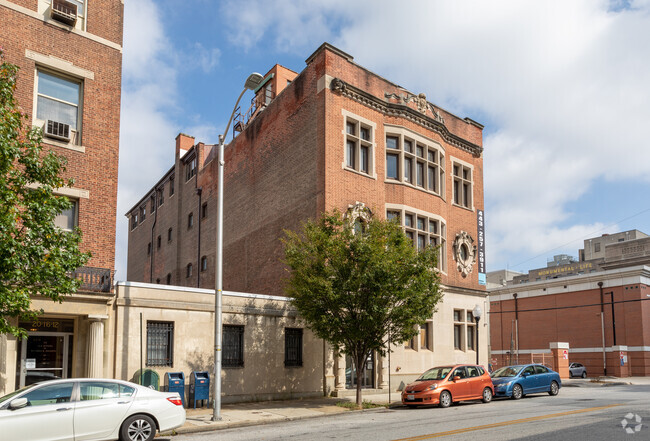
<point>403,111</point>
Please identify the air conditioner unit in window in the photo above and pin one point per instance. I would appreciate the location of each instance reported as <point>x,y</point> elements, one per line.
<point>64,11</point>
<point>57,130</point>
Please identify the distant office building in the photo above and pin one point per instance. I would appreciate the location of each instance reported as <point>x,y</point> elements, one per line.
<point>600,306</point>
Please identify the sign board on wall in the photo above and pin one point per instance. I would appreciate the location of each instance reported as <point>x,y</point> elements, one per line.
<point>480,222</point>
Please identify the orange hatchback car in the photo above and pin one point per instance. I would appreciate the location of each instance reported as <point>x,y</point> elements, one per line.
<point>446,384</point>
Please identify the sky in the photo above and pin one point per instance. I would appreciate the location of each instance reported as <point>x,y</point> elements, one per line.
<point>562,88</point>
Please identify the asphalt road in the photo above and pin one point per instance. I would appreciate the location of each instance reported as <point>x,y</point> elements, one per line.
<point>577,413</point>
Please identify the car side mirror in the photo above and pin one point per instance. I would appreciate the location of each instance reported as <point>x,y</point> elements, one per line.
<point>456,378</point>
<point>18,403</point>
<point>525,374</point>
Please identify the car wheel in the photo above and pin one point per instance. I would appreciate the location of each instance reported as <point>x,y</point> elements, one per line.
<point>445,399</point>
<point>517,392</point>
<point>138,428</point>
<point>554,389</point>
<point>487,395</point>
<point>584,374</point>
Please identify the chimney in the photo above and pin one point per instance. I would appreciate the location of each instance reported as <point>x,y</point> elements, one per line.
<point>183,144</point>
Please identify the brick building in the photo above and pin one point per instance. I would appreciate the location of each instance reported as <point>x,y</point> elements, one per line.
<point>332,136</point>
<point>599,305</point>
<point>69,83</point>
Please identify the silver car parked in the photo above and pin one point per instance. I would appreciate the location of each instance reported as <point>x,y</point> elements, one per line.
<point>577,370</point>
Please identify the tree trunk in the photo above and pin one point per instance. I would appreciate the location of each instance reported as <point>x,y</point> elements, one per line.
<point>361,358</point>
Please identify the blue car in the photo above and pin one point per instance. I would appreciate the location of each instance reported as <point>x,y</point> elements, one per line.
<point>519,380</point>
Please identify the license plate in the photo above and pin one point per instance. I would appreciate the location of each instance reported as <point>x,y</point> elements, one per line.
<point>410,397</point>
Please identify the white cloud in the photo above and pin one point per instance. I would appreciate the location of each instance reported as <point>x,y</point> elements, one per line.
<point>563,87</point>
<point>147,131</point>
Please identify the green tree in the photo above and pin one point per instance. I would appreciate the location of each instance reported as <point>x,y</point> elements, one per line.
<point>36,257</point>
<point>358,288</point>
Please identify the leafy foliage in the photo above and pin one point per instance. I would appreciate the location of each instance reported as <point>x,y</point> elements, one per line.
<point>36,257</point>
<point>357,290</point>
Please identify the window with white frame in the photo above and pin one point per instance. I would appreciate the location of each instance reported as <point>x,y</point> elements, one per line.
<point>422,229</point>
<point>464,330</point>
<point>359,145</point>
<point>190,169</point>
<point>414,160</point>
<point>459,330</point>
<point>67,220</point>
<point>462,185</point>
<point>58,99</point>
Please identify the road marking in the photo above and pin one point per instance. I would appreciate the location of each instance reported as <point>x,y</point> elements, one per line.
<point>506,423</point>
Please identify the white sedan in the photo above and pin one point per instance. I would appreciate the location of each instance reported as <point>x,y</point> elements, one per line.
<point>88,409</point>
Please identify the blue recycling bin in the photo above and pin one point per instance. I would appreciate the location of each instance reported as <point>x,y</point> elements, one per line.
<point>175,382</point>
<point>200,387</point>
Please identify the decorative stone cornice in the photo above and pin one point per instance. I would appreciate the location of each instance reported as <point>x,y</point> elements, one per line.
<point>435,123</point>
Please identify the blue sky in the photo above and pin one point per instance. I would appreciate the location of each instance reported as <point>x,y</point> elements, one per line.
<point>561,87</point>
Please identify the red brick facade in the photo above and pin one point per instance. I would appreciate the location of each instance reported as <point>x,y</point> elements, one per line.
<point>289,164</point>
<point>569,310</point>
<point>32,40</point>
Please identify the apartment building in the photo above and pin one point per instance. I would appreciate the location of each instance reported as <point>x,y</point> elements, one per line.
<point>69,83</point>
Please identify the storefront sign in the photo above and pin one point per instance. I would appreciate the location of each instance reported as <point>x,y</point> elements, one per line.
<point>30,363</point>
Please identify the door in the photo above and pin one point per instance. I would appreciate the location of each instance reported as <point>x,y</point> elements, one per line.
<point>101,407</point>
<point>476,381</point>
<point>460,389</point>
<point>47,416</point>
<point>529,380</point>
<point>367,376</point>
<point>44,356</point>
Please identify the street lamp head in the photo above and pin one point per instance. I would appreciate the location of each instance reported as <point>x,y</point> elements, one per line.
<point>253,81</point>
<point>477,312</point>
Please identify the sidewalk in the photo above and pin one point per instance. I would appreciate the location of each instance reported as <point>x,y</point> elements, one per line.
<point>251,414</point>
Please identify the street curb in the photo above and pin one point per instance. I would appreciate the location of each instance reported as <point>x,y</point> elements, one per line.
<point>234,425</point>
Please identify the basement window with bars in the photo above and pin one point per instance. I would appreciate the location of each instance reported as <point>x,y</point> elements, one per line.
<point>160,343</point>
<point>292,347</point>
<point>233,346</point>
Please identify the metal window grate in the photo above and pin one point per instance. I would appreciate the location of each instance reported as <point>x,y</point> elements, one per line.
<point>292,347</point>
<point>160,343</point>
<point>233,346</point>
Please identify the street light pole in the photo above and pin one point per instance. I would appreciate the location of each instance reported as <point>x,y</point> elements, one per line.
<point>477,316</point>
<point>252,82</point>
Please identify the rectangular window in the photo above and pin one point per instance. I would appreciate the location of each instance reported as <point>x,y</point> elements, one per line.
<point>67,220</point>
<point>160,343</point>
<point>233,346</point>
<point>392,168</point>
<point>190,169</point>
<point>365,159</point>
<point>422,231</point>
<point>149,249</point>
<point>292,347</point>
<point>390,215</point>
<point>358,146</point>
<point>423,166</point>
<point>471,333</point>
<point>58,99</point>
<point>204,263</point>
<point>134,220</point>
<point>597,247</point>
<point>352,149</point>
<point>153,204</point>
<point>458,332</point>
<point>204,210</point>
<point>171,187</point>
<point>190,220</point>
<point>425,336</point>
<point>462,185</point>
<point>161,197</point>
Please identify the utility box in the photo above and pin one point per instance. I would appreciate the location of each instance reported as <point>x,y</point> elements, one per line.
<point>199,387</point>
<point>175,382</point>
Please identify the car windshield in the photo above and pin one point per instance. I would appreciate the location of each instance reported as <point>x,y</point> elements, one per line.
<point>508,371</point>
<point>437,373</point>
<point>9,396</point>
